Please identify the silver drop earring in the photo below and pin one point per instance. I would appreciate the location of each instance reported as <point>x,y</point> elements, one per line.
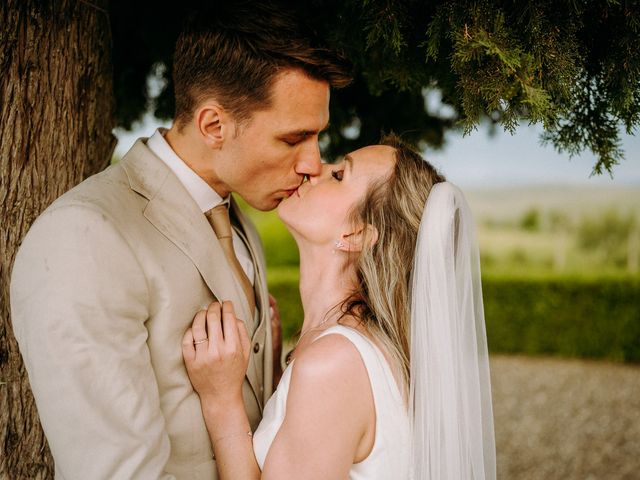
<point>338,245</point>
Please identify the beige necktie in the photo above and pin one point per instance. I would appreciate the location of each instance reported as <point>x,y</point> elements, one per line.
<point>219,219</point>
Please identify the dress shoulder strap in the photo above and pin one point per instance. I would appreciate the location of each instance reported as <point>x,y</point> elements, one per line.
<point>358,339</point>
<point>379,371</point>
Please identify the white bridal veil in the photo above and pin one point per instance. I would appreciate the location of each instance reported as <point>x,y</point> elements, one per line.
<point>453,437</point>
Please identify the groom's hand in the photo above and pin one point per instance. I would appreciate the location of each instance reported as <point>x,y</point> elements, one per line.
<point>216,353</point>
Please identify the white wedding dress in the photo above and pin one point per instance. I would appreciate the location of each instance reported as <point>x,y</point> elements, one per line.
<point>391,454</point>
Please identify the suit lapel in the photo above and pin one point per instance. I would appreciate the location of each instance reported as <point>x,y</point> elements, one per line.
<point>174,213</point>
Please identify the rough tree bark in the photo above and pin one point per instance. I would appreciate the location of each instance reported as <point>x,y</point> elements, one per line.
<point>56,117</point>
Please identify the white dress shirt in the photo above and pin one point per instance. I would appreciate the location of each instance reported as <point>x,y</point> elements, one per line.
<point>205,196</point>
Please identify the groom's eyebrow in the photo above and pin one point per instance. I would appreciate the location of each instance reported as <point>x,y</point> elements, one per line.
<point>306,133</point>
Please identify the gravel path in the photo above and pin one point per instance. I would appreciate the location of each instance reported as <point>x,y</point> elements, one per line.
<point>566,419</point>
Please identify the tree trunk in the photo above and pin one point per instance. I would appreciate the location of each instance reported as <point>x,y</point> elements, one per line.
<point>56,118</point>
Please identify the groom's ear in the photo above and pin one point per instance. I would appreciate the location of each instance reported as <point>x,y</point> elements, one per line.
<point>365,236</point>
<point>212,123</point>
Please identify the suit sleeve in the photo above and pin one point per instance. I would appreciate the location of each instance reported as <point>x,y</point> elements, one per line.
<point>79,303</point>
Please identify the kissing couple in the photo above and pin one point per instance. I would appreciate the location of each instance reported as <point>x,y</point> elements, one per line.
<point>140,304</point>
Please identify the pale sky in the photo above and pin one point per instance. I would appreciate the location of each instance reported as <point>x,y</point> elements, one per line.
<point>508,160</point>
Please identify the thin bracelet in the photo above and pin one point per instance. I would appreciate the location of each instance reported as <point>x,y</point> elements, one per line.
<point>213,444</point>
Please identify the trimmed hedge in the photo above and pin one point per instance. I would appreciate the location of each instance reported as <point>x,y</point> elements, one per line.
<point>591,318</point>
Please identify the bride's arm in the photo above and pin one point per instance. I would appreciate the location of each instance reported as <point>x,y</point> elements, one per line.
<point>330,416</point>
<point>217,368</point>
<point>232,445</point>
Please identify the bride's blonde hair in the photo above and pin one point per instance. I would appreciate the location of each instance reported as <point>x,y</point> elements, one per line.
<point>394,206</point>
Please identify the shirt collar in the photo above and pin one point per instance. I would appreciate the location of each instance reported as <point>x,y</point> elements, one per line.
<point>205,196</point>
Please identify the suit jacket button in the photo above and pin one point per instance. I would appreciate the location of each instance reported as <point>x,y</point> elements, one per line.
<point>256,347</point>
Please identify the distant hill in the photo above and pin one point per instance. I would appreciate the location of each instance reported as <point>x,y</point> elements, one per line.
<point>509,203</point>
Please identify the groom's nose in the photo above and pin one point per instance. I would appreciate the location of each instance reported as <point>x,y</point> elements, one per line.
<point>308,162</point>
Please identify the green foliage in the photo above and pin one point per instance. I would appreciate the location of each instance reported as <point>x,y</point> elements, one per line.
<point>573,66</point>
<point>497,75</point>
<point>597,318</point>
<point>389,33</point>
<point>608,233</point>
<point>591,318</point>
<point>280,248</point>
<point>569,65</point>
<point>559,221</point>
<point>530,221</point>
<point>576,231</point>
<point>283,285</point>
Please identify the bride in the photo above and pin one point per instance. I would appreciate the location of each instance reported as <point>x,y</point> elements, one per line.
<point>390,377</point>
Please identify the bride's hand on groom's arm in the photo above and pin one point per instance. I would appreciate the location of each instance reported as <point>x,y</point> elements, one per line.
<point>216,353</point>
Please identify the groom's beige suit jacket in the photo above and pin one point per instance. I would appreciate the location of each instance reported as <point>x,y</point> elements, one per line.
<point>103,288</point>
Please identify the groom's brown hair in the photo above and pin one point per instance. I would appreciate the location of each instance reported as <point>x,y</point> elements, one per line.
<point>234,53</point>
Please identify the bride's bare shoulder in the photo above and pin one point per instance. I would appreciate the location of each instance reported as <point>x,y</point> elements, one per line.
<point>331,368</point>
<point>330,411</point>
<point>331,354</point>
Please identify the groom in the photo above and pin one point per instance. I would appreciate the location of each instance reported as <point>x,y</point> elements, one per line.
<point>111,274</point>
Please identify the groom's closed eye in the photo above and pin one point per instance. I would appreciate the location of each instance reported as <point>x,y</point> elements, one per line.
<point>293,141</point>
<point>297,137</point>
<point>293,138</point>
